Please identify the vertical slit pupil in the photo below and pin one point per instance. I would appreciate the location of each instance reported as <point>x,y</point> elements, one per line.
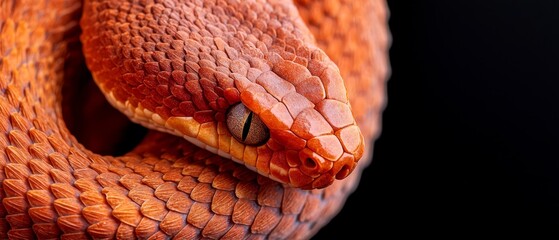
<point>246,127</point>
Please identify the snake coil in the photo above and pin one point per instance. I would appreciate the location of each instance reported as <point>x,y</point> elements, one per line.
<point>309,75</point>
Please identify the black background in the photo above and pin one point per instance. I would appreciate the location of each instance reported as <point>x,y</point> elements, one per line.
<point>470,140</point>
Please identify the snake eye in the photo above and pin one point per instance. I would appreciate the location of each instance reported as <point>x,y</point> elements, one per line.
<point>245,126</point>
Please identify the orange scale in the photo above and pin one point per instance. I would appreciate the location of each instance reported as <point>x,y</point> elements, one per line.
<point>232,95</point>
<point>274,84</point>
<point>121,94</point>
<point>316,67</point>
<point>157,98</point>
<point>208,79</point>
<point>291,49</point>
<point>204,116</point>
<point>218,91</point>
<point>209,93</point>
<point>327,146</point>
<point>176,112</point>
<point>279,168</point>
<point>288,139</point>
<point>133,65</point>
<point>296,103</point>
<point>165,65</point>
<point>170,102</point>
<point>257,101</point>
<point>303,51</point>
<point>192,66</point>
<point>287,55</point>
<point>263,164</point>
<point>158,55</point>
<point>236,148</point>
<point>213,105</point>
<point>187,107</point>
<point>310,123</point>
<point>179,92</point>
<point>208,134</point>
<point>253,74</point>
<point>250,155</point>
<point>336,113</point>
<point>163,76</point>
<point>351,139</point>
<point>239,66</point>
<point>298,178</point>
<point>273,56</point>
<point>151,67</point>
<point>224,143</point>
<point>222,103</point>
<point>177,64</point>
<point>241,82</point>
<point>256,88</point>
<point>277,117</point>
<point>323,181</point>
<point>334,84</point>
<point>52,230</point>
<point>136,92</point>
<point>220,117</point>
<point>222,128</point>
<point>131,79</point>
<point>292,158</point>
<point>318,54</point>
<point>223,80</point>
<point>200,102</point>
<point>291,71</point>
<point>264,154</point>
<point>193,76</point>
<point>179,77</point>
<point>250,163</point>
<point>259,63</point>
<point>193,87</point>
<point>275,145</point>
<point>207,74</point>
<point>149,104</point>
<point>301,61</point>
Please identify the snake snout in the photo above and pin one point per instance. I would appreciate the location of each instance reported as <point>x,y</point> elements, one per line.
<point>324,171</point>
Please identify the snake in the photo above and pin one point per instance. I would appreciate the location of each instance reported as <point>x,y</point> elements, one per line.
<point>261,114</point>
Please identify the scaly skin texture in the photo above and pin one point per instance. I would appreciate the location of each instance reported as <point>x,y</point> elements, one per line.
<point>180,66</point>
<point>266,55</point>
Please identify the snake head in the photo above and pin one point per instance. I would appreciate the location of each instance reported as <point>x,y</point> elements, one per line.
<point>185,78</point>
<point>287,121</point>
<point>314,138</point>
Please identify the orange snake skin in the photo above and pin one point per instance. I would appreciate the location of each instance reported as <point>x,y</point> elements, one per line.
<point>313,72</point>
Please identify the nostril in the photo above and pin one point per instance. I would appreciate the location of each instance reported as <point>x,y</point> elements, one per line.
<point>310,163</point>
<point>343,172</point>
<point>344,166</point>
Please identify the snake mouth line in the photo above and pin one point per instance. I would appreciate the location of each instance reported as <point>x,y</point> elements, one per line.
<point>139,115</point>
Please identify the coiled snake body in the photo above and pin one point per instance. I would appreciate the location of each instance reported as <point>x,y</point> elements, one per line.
<point>179,67</point>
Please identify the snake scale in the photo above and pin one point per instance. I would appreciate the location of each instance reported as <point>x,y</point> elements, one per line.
<point>307,76</point>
